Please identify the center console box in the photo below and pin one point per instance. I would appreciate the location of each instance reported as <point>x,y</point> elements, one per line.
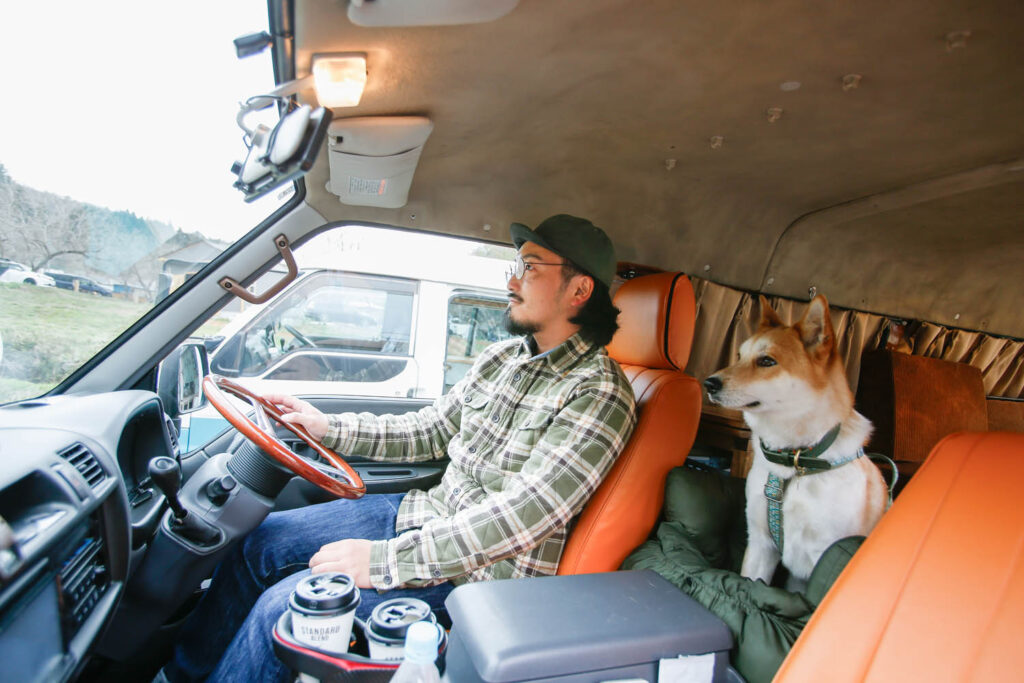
<point>579,629</point>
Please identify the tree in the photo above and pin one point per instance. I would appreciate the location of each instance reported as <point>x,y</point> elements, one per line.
<point>36,227</point>
<point>10,212</point>
<point>60,227</point>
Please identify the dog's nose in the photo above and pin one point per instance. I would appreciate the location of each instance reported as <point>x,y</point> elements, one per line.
<point>712,384</point>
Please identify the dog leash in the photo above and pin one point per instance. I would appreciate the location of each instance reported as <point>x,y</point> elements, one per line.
<point>804,461</point>
<point>878,457</point>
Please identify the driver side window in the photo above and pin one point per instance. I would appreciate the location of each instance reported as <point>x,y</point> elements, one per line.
<point>474,323</point>
<point>373,313</point>
<point>329,321</point>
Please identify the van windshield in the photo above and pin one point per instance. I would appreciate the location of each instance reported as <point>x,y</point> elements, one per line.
<point>114,168</point>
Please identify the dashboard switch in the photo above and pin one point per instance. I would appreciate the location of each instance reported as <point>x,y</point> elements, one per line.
<point>220,489</point>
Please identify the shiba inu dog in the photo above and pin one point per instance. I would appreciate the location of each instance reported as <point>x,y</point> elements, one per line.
<point>810,484</point>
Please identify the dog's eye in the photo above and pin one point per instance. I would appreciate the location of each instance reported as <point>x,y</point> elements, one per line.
<point>766,361</point>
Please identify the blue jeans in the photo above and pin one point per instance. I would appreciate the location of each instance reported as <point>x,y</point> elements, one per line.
<point>228,636</point>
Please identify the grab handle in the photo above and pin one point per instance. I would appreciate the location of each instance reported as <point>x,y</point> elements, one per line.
<point>232,286</point>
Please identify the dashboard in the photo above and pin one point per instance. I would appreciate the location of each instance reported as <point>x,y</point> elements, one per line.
<point>89,567</point>
<point>76,511</point>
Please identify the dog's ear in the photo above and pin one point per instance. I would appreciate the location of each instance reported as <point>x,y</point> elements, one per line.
<point>769,318</point>
<point>816,328</point>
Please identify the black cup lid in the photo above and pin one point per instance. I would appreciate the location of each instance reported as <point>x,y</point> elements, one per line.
<point>328,592</point>
<point>391,618</point>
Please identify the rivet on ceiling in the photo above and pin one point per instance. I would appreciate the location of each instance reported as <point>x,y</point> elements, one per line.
<point>770,281</point>
<point>957,39</point>
<point>707,267</point>
<point>774,114</point>
<point>812,291</point>
<point>670,164</point>
<point>789,86</point>
<point>851,82</point>
<point>487,227</point>
<point>716,141</point>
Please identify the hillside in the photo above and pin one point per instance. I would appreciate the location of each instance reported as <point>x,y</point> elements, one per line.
<point>34,358</point>
<point>49,232</point>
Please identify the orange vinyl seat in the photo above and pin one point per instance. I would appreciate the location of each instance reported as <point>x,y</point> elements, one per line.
<point>936,593</point>
<point>652,345</point>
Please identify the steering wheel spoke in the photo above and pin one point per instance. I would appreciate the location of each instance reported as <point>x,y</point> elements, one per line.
<point>261,432</point>
<point>262,421</point>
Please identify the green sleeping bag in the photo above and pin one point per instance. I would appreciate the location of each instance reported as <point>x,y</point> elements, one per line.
<point>699,547</point>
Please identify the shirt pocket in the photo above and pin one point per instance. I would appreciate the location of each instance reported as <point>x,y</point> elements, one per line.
<point>524,438</point>
<point>474,412</point>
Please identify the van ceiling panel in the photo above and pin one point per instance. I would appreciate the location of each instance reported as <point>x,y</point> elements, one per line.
<point>607,108</point>
<point>936,265</point>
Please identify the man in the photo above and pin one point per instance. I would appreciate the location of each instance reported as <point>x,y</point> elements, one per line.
<point>531,431</point>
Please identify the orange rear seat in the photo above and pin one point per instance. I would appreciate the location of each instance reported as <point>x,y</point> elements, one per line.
<point>936,593</point>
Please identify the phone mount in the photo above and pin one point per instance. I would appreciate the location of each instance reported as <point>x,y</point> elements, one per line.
<point>281,154</point>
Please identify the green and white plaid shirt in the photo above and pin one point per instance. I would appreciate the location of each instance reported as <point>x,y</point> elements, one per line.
<point>530,439</point>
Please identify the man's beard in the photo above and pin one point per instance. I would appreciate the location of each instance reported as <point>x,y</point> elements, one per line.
<point>518,328</point>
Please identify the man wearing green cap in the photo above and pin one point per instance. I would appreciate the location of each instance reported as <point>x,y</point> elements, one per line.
<point>587,264</point>
<point>531,431</point>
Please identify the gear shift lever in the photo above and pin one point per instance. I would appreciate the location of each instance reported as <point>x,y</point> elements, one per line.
<point>164,473</point>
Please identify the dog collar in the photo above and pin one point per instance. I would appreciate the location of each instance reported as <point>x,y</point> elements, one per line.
<point>804,460</point>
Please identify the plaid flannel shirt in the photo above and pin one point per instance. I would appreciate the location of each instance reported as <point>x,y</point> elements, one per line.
<point>529,437</point>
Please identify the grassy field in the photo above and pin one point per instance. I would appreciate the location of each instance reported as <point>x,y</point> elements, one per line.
<point>48,332</point>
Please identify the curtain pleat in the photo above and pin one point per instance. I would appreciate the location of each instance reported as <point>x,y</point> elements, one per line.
<point>727,316</point>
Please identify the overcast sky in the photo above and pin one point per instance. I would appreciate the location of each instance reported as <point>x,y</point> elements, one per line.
<point>131,104</point>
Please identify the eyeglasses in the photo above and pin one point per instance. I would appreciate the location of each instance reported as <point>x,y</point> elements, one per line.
<point>518,268</point>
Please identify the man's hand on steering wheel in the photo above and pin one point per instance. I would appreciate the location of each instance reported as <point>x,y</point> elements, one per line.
<point>301,413</point>
<point>336,477</point>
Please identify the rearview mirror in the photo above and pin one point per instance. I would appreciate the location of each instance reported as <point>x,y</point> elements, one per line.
<point>281,154</point>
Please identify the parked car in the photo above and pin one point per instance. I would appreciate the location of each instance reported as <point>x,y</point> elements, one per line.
<point>79,283</point>
<point>12,271</point>
<point>358,334</point>
<point>870,151</point>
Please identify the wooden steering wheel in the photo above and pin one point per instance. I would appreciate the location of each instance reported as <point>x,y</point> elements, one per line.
<point>262,434</point>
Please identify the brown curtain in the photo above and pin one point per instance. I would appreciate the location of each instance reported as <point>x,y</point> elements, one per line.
<point>727,316</point>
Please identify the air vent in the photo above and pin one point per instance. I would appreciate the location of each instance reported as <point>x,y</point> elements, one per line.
<point>172,434</point>
<point>85,462</point>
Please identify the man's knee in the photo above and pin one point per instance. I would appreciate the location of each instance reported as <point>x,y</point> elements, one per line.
<point>270,547</point>
<point>272,604</point>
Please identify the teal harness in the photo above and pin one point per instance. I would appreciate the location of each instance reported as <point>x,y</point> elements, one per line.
<point>805,461</point>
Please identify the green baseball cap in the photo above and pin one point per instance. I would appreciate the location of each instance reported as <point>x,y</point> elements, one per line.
<point>576,239</point>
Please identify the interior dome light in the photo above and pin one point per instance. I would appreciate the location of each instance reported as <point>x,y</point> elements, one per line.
<point>339,79</point>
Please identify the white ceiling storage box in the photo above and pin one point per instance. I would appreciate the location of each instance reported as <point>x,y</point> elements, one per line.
<point>373,158</point>
<point>427,12</point>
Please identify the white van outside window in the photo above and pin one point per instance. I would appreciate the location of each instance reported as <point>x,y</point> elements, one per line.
<point>374,313</point>
<point>475,321</point>
<point>330,327</point>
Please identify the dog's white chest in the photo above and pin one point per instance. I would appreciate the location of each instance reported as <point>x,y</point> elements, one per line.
<point>811,511</point>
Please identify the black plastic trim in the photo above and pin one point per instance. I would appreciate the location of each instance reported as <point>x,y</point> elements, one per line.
<point>668,315</point>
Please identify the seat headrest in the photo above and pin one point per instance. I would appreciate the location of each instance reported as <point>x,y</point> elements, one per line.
<point>914,401</point>
<point>656,319</point>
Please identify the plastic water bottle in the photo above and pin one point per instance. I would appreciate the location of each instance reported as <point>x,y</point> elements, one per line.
<point>420,652</point>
